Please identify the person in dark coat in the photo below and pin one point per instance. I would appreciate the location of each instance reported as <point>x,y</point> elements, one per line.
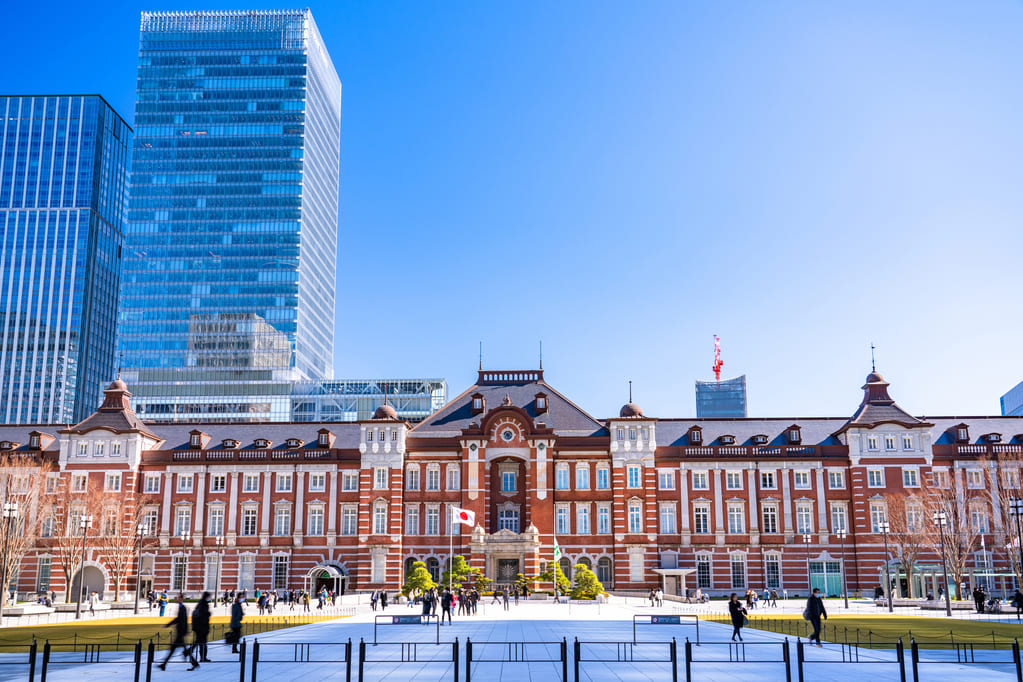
<point>814,612</point>
<point>427,600</point>
<point>201,627</point>
<point>1017,601</point>
<point>445,605</point>
<point>236,623</point>
<point>180,624</point>
<point>738,614</point>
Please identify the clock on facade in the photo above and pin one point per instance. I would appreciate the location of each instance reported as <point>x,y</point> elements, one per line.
<point>507,435</point>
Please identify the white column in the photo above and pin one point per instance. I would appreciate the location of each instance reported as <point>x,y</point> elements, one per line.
<point>754,511</point>
<point>786,500</point>
<point>232,507</point>
<point>822,504</point>
<point>200,498</point>
<point>332,483</point>
<point>719,502</point>
<point>168,510</point>
<point>300,477</point>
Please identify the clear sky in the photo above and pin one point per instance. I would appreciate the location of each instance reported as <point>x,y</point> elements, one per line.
<point>625,179</point>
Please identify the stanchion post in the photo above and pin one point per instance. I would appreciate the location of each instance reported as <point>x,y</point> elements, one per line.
<point>32,649</point>
<point>255,658</point>
<point>150,655</point>
<point>689,660</point>
<point>468,659</point>
<point>46,658</point>
<point>914,653</point>
<point>672,654</point>
<point>576,649</point>
<point>786,655</point>
<point>348,660</point>
<point>454,657</point>
<point>138,659</point>
<point>362,656</point>
<point>241,661</point>
<point>799,658</point>
<point>901,654</point>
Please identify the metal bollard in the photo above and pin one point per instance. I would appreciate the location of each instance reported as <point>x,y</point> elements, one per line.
<point>468,659</point>
<point>901,654</point>
<point>150,655</point>
<point>255,658</point>
<point>689,660</point>
<point>46,658</point>
<point>1016,660</point>
<point>32,659</point>
<point>241,660</point>
<point>138,659</point>
<point>914,652</point>
<point>673,655</point>
<point>362,656</point>
<point>454,658</point>
<point>348,660</point>
<point>799,658</point>
<point>576,648</point>
<point>787,657</point>
<point>564,660</point>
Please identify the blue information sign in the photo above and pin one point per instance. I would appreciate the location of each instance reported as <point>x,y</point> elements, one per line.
<point>665,620</point>
<point>406,620</point>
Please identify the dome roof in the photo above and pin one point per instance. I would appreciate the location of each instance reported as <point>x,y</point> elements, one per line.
<point>875,378</point>
<point>630,410</point>
<point>385,412</point>
<point>117,385</point>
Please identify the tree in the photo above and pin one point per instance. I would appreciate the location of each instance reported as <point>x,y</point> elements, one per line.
<point>120,540</point>
<point>961,536</point>
<point>586,584</point>
<point>553,574</point>
<point>1006,529</point>
<point>418,580</point>
<point>73,501</point>
<point>908,532</point>
<point>461,573</point>
<point>23,480</point>
<point>524,584</point>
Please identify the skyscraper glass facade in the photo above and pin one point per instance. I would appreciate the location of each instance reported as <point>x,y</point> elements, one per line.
<point>229,269</point>
<point>1012,402</point>
<point>726,399</point>
<point>63,183</point>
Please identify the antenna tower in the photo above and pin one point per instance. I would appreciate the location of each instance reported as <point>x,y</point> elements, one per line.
<point>717,358</point>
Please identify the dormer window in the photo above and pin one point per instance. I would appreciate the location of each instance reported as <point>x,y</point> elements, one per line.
<point>6,445</point>
<point>323,438</point>
<point>695,435</point>
<point>540,404</point>
<point>293,443</point>
<point>794,436</point>
<point>727,440</point>
<point>34,440</point>
<point>993,438</point>
<point>262,443</point>
<point>760,439</point>
<point>195,440</point>
<point>478,403</point>
<point>962,433</point>
<point>229,443</point>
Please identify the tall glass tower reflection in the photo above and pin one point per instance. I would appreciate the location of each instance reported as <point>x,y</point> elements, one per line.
<point>63,185</point>
<point>229,269</point>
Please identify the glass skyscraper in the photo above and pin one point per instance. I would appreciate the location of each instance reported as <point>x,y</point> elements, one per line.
<point>725,399</point>
<point>63,183</point>
<point>229,268</point>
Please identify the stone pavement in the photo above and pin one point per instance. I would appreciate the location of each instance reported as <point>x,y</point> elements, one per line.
<point>611,626</point>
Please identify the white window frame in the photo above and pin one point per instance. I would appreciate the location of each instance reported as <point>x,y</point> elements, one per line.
<point>186,483</point>
<point>603,477</point>
<point>454,477</point>
<point>836,480</point>
<point>910,477</point>
<point>412,519</point>
<point>582,476</point>
<point>317,482</point>
<point>666,479</point>
<point>733,480</point>
<point>701,509</point>
<point>561,476</point>
<point>769,518</point>
<point>250,483</point>
<point>701,480</point>
<point>112,482</point>
<point>875,477</point>
<point>349,481</point>
<point>282,520</point>
<point>634,476</point>
<point>768,480</point>
<point>667,518</point>
<point>804,517</point>
<point>603,519</point>
<point>635,516</point>
<point>736,518</point>
<point>218,483</point>
<point>801,480</point>
<point>285,483</point>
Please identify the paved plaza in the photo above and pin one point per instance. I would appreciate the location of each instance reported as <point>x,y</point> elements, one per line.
<point>605,632</point>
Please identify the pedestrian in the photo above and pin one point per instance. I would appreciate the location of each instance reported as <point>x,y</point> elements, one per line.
<point>515,594</point>
<point>978,599</point>
<point>653,599</point>
<point>383,600</point>
<point>163,603</point>
<point>774,597</point>
<point>749,599</point>
<point>237,613</point>
<point>504,598</point>
<point>373,599</point>
<point>1017,601</point>
<point>93,600</point>
<point>180,623</point>
<point>427,598</point>
<point>445,604</point>
<point>738,615</point>
<point>201,627</point>
<point>814,612</point>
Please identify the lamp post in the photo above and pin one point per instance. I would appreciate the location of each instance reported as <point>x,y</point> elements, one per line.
<point>1016,509</point>
<point>884,528</point>
<point>85,523</point>
<point>841,533</point>
<point>809,578</point>
<point>185,537</point>
<point>941,520</point>
<point>140,532</point>
<point>10,513</point>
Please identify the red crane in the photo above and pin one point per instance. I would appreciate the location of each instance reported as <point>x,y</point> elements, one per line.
<point>717,358</point>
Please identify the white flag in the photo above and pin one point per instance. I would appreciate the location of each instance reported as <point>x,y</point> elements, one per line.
<point>557,550</point>
<point>463,516</point>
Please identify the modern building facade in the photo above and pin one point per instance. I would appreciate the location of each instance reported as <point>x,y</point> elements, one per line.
<point>721,399</point>
<point>63,191</point>
<point>719,505</point>
<point>1012,402</point>
<point>346,400</point>
<point>230,264</point>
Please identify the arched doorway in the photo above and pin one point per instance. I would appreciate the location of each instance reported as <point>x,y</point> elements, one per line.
<point>326,576</point>
<point>94,581</point>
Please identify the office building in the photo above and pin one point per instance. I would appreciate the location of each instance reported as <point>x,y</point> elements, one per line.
<point>1012,402</point>
<point>725,399</point>
<point>230,263</point>
<point>63,183</point>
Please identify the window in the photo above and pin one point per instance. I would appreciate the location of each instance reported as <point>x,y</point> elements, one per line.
<point>412,478</point>
<point>212,572</point>
<point>324,439</point>
<point>1010,478</point>
<point>604,574</point>
<point>43,577</point>
<point>250,484</point>
<point>668,518</point>
<point>632,434</point>
<point>907,442</point>
<point>433,477</point>
<point>802,480</point>
<point>247,572</point>
<point>380,478</point>
<point>700,480</point>
<point>804,517</point>
<point>115,449</point>
<point>48,528</point>
<point>772,567</point>
<point>453,478</point>
<point>477,403</point>
<point>736,523</point>
<point>872,442</point>
<point>836,480</point>
<point>433,520</point>
<point>914,518</point>
<point>635,567</point>
<point>770,518</point>
<point>975,478</point>
<point>150,522</point>
<point>767,480</point>
<point>317,483</point>
<point>838,518</point>
<point>112,483</point>
<point>738,564</point>
<point>52,482</point>
<point>878,515</point>
<point>603,478</point>
<point>350,481</point>
<point>701,518</point>
<point>380,518</point>
<point>218,483</point>
<point>541,403</point>
<point>620,434</point>
<point>940,478</point>
<point>911,478</point>
<point>369,435</point>
<point>561,477</point>
<point>83,449</point>
<point>508,519</point>
<point>349,521</point>
<point>582,519</point>
<point>280,572</point>
<point>216,524</point>
<point>179,567</point>
<point>875,478</point>
<point>561,522</point>
<point>582,476</point>
<point>889,442</point>
<point>666,480</point>
<point>978,520</point>
<point>633,477</point>
<point>110,523</point>
<point>249,521</point>
<point>635,517</point>
<point>284,483</point>
<point>412,520</point>
<point>603,519</point>
<point>79,483</point>
<point>733,480</point>
<point>703,571</point>
<point>282,521</point>
<point>508,481</point>
<point>151,483</point>
<point>182,521</point>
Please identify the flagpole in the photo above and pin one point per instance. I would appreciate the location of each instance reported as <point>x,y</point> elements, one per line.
<point>451,548</point>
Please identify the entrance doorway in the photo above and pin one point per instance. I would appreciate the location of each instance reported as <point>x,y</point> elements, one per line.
<point>93,582</point>
<point>326,577</point>
<point>826,575</point>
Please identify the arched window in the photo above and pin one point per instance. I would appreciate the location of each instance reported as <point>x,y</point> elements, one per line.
<point>408,566</point>
<point>433,566</point>
<point>566,566</point>
<point>604,574</point>
<point>586,562</point>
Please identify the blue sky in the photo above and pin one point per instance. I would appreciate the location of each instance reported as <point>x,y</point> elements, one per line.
<point>624,180</point>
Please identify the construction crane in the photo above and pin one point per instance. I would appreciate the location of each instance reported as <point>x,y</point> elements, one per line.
<point>717,358</point>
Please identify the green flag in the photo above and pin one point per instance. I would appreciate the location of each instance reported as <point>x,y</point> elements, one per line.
<point>557,550</point>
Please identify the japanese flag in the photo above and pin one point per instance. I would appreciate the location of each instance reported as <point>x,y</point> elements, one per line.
<point>463,516</point>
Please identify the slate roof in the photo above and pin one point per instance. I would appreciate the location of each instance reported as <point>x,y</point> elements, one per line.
<point>812,430</point>
<point>176,436</point>
<point>18,433</point>
<point>562,415</point>
<point>878,407</point>
<point>942,433</point>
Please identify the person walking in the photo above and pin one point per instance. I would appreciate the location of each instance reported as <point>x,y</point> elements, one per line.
<point>814,612</point>
<point>504,598</point>
<point>445,604</point>
<point>163,603</point>
<point>738,615</point>
<point>427,598</point>
<point>201,628</point>
<point>774,598</point>
<point>180,624</point>
<point>978,599</point>
<point>237,613</point>
<point>1017,601</point>
<point>383,600</point>
<point>93,601</point>
<point>373,599</point>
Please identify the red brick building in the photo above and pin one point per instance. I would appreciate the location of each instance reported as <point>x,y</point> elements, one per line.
<point>719,504</point>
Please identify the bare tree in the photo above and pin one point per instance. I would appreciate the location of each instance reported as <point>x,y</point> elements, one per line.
<point>907,532</point>
<point>23,480</point>
<point>76,497</point>
<point>961,537</point>
<point>1006,527</point>
<point>120,540</point>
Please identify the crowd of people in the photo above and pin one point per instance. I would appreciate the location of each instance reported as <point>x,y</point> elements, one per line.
<point>201,628</point>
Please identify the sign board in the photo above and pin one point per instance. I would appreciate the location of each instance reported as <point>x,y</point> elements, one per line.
<point>406,620</point>
<point>665,620</point>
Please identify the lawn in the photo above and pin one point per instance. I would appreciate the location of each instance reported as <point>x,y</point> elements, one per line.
<point>868,629</point>
<point>122,633</point>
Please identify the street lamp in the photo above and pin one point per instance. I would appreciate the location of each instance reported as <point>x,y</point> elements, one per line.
<point>10,512</point>
<point>1016,509</point>
<point>941,520</point>
<point>884,528</point>
<point>84,523</point>
<point>185,537</point>
<point>809,578</point>
<point>841,533</point>
<point>140,532</point>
